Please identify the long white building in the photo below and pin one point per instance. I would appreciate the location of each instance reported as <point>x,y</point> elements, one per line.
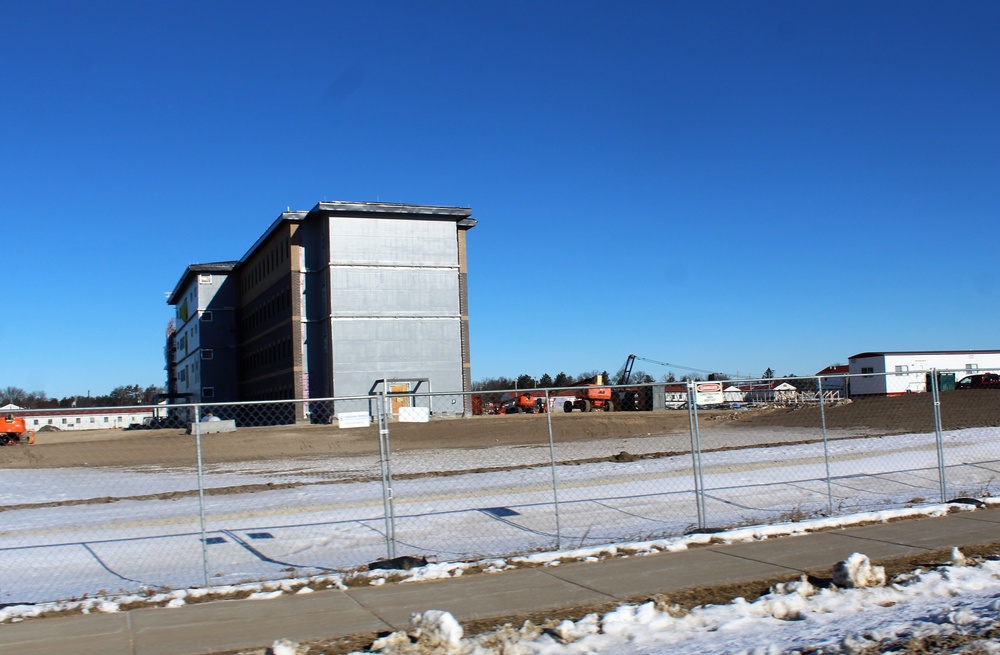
<point>908,371</point>
<point>103,418</point>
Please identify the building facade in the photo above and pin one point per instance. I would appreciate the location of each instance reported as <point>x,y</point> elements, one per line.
<point>909,369</point>
<point>343,300</point>
<point>201,340</point>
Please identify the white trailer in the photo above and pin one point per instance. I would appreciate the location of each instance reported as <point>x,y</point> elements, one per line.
<point>898,373</point>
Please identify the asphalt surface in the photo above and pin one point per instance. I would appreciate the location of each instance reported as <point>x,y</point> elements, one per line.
<point>222,626</point>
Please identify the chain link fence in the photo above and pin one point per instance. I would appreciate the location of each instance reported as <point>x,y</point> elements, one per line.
<point>209,495</point>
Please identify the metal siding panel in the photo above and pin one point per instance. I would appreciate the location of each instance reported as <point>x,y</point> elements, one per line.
<point>382,241</point>
<point>394,292</point>
<point>366,350</point>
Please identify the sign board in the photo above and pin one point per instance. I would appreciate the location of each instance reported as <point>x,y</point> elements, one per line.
<point>354,419</point>
<point>414,414</point>
<point>708,393</point>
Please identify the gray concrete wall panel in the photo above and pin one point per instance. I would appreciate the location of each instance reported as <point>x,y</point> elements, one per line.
<point>365,350</point>
<point>394,292</point>
<point>388,242</point>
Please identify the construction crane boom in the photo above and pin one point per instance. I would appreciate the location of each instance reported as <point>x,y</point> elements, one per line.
<point>626,371</point>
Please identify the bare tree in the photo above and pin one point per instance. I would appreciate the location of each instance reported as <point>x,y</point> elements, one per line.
<point>641,377</point>
<point>12,396</point>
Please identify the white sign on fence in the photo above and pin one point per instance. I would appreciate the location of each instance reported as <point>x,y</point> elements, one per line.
<point>414,414</point>
<point>708,393</point>
<point>354,419</point>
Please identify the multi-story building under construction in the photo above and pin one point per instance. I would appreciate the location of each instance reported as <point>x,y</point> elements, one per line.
<point>334,301</point>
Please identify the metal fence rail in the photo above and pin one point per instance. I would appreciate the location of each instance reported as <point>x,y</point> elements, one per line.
<point>294,491</point>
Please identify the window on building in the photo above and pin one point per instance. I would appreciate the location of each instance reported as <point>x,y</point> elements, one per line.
<point>208,392</point>
<point>205,278</point>
<point>206,316</point>
<point>207,353</point>
<point>867,370</point>
<point>78,421</point>
<point>902,369</point>
<point>972,367</point>
<point>36,421</point>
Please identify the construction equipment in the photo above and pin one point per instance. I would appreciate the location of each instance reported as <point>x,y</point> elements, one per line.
<point>526,403</point>
<point>626,399</point>
<point>594,396</point>
<point>13,430</point>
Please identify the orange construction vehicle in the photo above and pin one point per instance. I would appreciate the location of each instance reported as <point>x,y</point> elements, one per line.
<point>592,397</point>
<point>13,430</point>
<point>524,402</point>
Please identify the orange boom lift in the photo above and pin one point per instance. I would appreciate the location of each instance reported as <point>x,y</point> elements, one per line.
<point>13,430</point>
<point>594,397</point>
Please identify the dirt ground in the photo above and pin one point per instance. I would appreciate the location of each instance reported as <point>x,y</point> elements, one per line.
<point>876,415</point>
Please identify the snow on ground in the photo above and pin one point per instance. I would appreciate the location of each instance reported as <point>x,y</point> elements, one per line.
<point>440,570</point>
<point>331,520</point>
<point>795,618</point>
<point>862,613</point>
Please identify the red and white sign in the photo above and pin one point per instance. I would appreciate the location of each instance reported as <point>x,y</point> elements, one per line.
<point>708,393</point>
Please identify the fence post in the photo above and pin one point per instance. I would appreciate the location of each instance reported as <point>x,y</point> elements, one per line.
<point>938,435</point>
<point>555,479</point>
<point>196,429</point>
<point>699,487</point>
<point>826,446</point>
<point>384,455</point>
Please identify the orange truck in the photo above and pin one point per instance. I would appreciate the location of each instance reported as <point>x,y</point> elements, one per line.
<point>13,430</point>
<point>526,403</point>
<point>594,397</point>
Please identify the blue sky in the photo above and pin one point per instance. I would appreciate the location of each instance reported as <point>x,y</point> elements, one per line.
<point>728,186</point>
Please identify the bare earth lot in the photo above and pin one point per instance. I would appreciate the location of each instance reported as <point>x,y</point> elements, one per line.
<point>719,428</point>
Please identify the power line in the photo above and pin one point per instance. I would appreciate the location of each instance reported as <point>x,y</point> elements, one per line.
<point>686,368</point>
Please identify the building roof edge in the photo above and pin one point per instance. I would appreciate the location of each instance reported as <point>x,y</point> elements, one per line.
<point>194,269</point>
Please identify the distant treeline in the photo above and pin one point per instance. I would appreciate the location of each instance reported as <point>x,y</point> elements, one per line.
<point>561,380</point>
<point>119,397</point>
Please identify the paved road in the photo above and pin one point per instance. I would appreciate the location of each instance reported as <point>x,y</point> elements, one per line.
<point>226,625</point>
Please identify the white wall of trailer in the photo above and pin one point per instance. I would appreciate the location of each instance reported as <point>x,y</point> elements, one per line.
<point>908,371</point>
<point>74,421</point>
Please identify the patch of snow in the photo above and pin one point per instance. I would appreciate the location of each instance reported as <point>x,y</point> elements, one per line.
<point>957,558</point>
<point>441,570</point>
<point>857,572</point>
<point>794,617</point>
<point>286,647</point>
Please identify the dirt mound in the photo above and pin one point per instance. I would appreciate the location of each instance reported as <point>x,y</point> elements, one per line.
<point>909,413</point>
